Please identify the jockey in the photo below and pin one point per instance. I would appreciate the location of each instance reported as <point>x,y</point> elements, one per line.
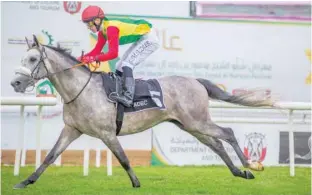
<point>116,32</point>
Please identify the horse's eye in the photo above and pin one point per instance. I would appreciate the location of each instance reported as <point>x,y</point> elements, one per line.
<point>33,59</point>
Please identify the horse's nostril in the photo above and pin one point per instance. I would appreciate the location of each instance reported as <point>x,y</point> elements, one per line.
<point>17,83</point>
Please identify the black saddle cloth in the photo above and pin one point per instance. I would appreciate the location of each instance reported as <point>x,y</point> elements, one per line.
<point>148,93</point>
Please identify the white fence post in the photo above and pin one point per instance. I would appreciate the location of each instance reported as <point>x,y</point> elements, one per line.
<point>20,143</point>
<point>38,134</point>
<point>86,157</point>
<point>24,151</point>
<point>109,162</point>
<point>291,143</point>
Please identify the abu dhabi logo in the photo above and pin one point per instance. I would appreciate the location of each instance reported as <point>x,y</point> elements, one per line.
<point>255,147</point>
<point>72,7</point>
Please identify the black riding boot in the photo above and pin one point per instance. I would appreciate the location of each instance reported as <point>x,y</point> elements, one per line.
<point>126,97</point>
<point>119,73</point>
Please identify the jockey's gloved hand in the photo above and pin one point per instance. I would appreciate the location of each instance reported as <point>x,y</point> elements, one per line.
<point>88,59</point>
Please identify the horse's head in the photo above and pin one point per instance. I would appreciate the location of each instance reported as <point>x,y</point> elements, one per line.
<point>33,67</point>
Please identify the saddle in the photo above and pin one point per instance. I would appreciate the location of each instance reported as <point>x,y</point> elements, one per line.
<point>148,95</point>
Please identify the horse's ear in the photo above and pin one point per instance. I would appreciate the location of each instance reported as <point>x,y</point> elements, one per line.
<point>28,44</point>
<point>36,40</point>
<point>67,50</point>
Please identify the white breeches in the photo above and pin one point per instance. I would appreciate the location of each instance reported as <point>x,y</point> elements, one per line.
<point>139,51</point>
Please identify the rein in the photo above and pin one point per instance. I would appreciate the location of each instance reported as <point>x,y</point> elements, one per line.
<point>91,72</point>
<point>75,66</point>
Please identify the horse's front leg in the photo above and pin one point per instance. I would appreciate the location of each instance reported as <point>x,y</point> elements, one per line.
<point>68,135</point>
<point>111,141</point>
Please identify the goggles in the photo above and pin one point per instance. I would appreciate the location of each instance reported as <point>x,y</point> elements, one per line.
<point>90,23</point>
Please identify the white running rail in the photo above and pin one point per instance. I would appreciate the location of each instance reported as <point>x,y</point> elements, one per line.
<point>22,102</point>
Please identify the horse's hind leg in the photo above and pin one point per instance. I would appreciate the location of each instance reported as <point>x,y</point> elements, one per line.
<point>227,135</point>
<point>217,146</point>
<point>113,144</point>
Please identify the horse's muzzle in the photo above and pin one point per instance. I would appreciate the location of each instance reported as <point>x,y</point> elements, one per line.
<point>17,86</point>
<point>20,83</point>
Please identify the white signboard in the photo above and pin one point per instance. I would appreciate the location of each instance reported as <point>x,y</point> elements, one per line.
<point>235,55</point>
<point>259,142</point>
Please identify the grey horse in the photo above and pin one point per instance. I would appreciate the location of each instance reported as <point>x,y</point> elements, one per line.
<point>87,110</point>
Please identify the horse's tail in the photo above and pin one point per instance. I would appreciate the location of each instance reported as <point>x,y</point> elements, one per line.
<point>248,99</point>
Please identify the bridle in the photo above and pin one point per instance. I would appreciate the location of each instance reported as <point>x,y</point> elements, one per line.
<point>33,74</point>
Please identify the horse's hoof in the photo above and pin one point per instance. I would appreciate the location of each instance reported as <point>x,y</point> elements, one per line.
<point>20,186</point>
<point>248,175</point>
<point>136,184</point>
<point>256,166</point>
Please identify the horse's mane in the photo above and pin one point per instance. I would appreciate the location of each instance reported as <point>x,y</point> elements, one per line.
<point>64,52</point>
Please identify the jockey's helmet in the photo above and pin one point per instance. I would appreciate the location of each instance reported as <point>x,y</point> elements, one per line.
<point>91,13</point>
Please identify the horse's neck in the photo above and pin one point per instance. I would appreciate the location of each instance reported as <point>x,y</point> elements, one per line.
<point>68,83</point>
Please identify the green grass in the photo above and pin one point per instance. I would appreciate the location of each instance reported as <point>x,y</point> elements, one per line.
<point>159,180</point>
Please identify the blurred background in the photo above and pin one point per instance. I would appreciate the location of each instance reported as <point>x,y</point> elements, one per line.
<point>239,46</point>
